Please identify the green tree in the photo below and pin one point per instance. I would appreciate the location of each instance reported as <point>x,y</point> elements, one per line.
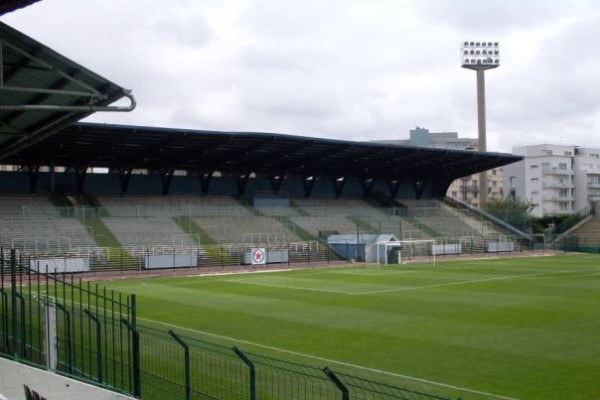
<point>514,212</point>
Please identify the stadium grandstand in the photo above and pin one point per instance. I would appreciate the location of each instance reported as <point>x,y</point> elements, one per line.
<point>99,189</point>
<point>86,200</point>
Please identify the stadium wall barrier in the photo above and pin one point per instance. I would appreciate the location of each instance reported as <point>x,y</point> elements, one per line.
<point>14,376</point>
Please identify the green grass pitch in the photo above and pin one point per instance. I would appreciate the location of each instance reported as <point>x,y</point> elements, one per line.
<point>520,328</point>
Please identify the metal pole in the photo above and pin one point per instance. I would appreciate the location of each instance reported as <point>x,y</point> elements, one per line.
<point>481,125</point>
<point>68,334</point>
<point>357,240</point>
<point>13,290</point>
<point>252,370</point>
<point>137,380</point>
<point>98,342</point>
<point>186,360</point>
<point>23,326</point>
<point>137,389</point>
<point>338,383</point>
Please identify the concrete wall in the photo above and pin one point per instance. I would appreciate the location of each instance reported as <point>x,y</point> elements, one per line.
<point>14,375</point>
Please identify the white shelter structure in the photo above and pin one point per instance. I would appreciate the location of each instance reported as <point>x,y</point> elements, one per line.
<point>362,247</point>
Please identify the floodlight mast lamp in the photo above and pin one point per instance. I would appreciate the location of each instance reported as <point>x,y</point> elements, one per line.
<point>480,56</point>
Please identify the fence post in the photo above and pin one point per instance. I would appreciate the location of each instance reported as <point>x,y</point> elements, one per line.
<point>137,380</point>
<point>13,292</point>
<point>5,341</point>
<point>23,325</point>
<point>338,383</point>
<point>137,387</point>
<point>68,334</point>
<point>251,368</point>
<point>98,342</point>
<point>186,360</point>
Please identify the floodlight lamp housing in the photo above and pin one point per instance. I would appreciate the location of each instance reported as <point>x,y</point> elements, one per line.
<point>479,55</point>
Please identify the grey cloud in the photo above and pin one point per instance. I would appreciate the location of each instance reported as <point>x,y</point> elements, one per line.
<point>496,16</point>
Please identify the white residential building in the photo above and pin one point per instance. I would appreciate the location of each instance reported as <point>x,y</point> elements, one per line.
<point>557,179</point>
<point>587,178</point>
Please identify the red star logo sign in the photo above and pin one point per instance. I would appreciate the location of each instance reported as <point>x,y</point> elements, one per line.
<point>258,256</point>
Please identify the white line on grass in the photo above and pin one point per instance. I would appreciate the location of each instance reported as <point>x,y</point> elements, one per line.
<point>377,272</point>
<point>248,282</point>
<point>331,361</point>
<point>405,289</point>
<point>498,278</point>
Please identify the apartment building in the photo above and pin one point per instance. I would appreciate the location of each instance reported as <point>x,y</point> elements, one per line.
<point>556,179</point>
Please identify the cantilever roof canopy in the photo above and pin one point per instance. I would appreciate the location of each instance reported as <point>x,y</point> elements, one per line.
<point>7,6</point>
<point>42,92</point>
<point>120,147</point>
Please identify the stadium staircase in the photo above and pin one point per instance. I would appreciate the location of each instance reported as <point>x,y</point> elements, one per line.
<point>587,233</point>
<point>116,255</point>
<point>213,254</point>
<point>296,229</point>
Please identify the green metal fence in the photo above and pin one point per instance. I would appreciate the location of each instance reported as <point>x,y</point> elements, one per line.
<point>572,243</point>
<point>176,366</point>
<point>71,327</point>
<point>78,329</point>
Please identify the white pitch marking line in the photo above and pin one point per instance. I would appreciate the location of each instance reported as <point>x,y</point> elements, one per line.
<point>327,360</point>
<point>376,273</point>
<point>592,273</point>
<point>405,289</point>
<point>247,282</point>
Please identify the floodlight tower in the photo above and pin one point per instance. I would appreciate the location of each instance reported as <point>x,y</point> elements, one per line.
<point>480,56</point>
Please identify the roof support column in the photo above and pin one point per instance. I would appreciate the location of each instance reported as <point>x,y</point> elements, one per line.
<point>309,182</point>
<point>338,185</point>
<point>166,177</point>
<point>394,185</point>
<point>124,177</point>
<point>276,182</point>
<point>80,175</point>
<point>367,186</point>
<point>242,181</point>
<point>419,186</point>
<point>52,177</point>
<point>34,173</point>
<point>205,179</point>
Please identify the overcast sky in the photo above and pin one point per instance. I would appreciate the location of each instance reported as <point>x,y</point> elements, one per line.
<point>359,70</point>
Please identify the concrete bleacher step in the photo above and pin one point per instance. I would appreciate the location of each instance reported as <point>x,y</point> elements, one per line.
<point>295,228</point>
<point>212,253</point>
<point>35,221</point>
<point>105,238</point>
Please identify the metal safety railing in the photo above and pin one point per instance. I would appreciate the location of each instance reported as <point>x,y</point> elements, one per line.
<point>71,327</point>
<point>144,259</point>
<point>199,369</point>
